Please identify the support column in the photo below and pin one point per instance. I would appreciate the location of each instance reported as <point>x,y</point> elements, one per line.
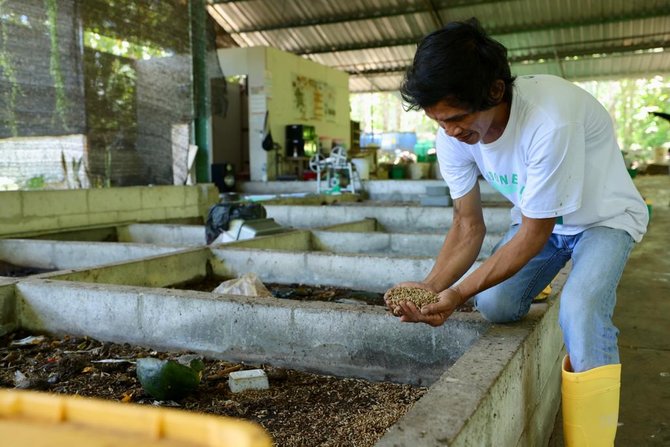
<point>200,91</point>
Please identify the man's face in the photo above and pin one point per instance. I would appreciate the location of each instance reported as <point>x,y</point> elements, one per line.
<point>466,126</point>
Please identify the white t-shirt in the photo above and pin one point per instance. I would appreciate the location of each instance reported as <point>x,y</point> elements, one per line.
<point>557,157</point>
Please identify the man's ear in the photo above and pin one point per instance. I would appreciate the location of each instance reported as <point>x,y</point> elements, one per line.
<point>497,91</point>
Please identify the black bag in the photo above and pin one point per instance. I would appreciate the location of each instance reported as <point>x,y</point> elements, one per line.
<point>220,215</point>
<point>267,144</point>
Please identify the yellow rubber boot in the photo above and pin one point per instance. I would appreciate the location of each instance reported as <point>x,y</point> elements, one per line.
<point>590,405</point>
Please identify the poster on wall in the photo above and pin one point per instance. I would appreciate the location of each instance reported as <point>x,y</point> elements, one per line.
<point>313,100</point>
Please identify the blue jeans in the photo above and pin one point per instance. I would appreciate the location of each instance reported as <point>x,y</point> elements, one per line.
<point>598,255</point>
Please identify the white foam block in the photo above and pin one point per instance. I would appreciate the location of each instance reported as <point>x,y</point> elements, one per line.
<point>252,379</point>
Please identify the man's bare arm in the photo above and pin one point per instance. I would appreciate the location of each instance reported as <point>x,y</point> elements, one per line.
<point>510,258</point>
<point>504,263</point>
<point>462,243</point>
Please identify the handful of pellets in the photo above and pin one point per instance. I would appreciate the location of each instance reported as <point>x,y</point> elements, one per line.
<point>420,297</point>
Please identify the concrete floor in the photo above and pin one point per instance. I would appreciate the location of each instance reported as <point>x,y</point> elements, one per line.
<point>643,316</point>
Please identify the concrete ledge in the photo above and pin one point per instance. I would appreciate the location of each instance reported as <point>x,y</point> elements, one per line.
<point>163,234</point>
<point>368,224</point>
<point>60,255</point>
<point>8,315</point>
<point>156,271</point>
<point>299,240</point>
<point>93,233</point>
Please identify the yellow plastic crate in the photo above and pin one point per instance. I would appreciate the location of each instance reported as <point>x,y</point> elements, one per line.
<point>36,419</point>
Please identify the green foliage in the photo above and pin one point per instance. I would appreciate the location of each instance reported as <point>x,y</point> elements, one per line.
<point>71,174</point>
<point>630,102</point>
<point>54,66</point>
<point>7,70</point>
<point>154,24</point>
<point>383,112</point>
<point>118,33</point>
<point>37,182</point>
<point>121,47</point>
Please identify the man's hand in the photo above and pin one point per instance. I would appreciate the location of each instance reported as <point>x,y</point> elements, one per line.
<point>433,314</point>
<point>397,310</point>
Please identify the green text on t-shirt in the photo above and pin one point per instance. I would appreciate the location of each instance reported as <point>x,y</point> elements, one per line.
<point>507,184</point>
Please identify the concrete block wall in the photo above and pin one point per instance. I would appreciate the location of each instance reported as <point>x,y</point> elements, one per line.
<point>33,212</point>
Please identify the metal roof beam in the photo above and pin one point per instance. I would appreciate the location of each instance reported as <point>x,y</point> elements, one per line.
<point>427,7</point>
<point>435,14</point>
<point>598,75</point>
<point>493,32</point>
<point>551,54</point>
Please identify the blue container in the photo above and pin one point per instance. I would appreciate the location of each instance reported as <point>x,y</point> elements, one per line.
<point>371,139</point>
<point>406,140</point>
<point>389,141</point>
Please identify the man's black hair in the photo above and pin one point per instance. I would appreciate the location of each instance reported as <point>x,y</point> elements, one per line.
<point>458,63</point>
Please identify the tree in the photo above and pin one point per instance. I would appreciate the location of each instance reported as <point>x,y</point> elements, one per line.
<point>630,102</point>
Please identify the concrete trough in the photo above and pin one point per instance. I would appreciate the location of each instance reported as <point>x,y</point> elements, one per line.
<point>155,234</point>
<point>343,340</point>
<point>361,237</point>
<point>377,190</point>
<point>357,271</point>
<point>284,258</point>
<point>489,384</point>
<point>393,219</point>
<point>182,235</point>
<point>389,244</point>
<point>163,234</point>
<point>59,255</point>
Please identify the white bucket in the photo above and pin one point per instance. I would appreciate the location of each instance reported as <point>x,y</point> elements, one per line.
<point>362,167</point>
<point>435,170</point>
<point>418,170</point>
<point>659,155</point>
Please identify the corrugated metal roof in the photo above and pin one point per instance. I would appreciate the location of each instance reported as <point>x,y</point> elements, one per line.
<point>375,40</point>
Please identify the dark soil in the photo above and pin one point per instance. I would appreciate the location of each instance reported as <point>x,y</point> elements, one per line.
<point>299,409</point>
<point>299,292</point>
<point>15,271</point>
